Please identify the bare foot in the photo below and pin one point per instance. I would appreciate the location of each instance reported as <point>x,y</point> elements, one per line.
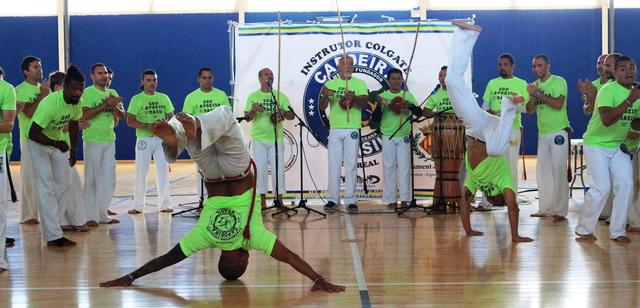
<point>164,131</point>
<point>633,229</point>
<point>558,218</point>
<point>586,237</point>
<point>538,215</point>
<point>326,286</point>
<point>80,229</point>
<point>32,221</point>
<point>134,211</point>
<point>475,233</point>
<point>466,26</point>
<point>61,242</point>
<point>123,281</point>
<point>91,223</point>
<point>189,123</point>
<point>622,239</point>
<point>67,228</point>
<point>111,221</point>
<point>167,211</point>
<point>521,239</point>
<point>110,212</point>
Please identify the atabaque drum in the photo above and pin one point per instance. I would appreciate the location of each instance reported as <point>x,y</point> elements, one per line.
<point>447,151</point>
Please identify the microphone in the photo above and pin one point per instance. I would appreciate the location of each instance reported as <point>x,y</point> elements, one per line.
<point>435,89</point>
<point>268,84</point>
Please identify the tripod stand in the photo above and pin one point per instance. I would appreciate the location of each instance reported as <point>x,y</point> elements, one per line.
<point>195,210</point>
<point>302,204</point>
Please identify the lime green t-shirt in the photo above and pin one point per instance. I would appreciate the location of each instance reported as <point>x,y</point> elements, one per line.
<point>54,113</point>
<point>222,222</point>
<point>26,93</point>
<point>149,108</point>
<point>199,102</point>
<point>7,103</point>
<point>499,87</point>
<point>391,120</point>
<point>337,115</point>
<point>491,176</point>
<point>440,101</point>
<point>261,125</point>
<point>100,128</point>
<point>551,120</point>
<point>596,83</point>
<point>597,135</point>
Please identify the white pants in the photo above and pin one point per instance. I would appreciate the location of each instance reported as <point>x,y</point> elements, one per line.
<point>551,174</point>
<point>604,164</point>
<point>51,174</point>
<point>28,199</point>
<point>397,163</point>
<point>146,148</point>
<point>72,211</point>
<point>494,131</point>
<point>264,155</point>
<point>343,151</point>
<point>99,179</point>
<point>513,153</point>
<point>634,210</point>
<point>4,264</point>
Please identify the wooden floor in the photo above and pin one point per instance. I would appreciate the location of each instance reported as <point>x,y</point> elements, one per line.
<point>384,260</point>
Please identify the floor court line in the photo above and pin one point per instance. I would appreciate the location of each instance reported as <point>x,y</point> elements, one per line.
<point>357,264</point>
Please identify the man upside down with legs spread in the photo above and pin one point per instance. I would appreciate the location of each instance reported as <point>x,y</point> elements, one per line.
<point>487,136</point>
<point>229,220</point>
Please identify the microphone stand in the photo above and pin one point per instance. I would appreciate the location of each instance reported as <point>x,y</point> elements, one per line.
<point>414,203</point>
<point>302,204</point>
<point>277,203</point>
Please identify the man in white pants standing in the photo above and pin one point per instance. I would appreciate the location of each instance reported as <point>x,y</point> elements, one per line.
<point>345,95</point>
<point>102,107</point>
<point>28,94</point>
<point>48,148</point>
<point>501,86</point>
<point>144,109</point>
<point>201,101</point>
<point>487,136</point>
<point>607,156</point>
<point>549,100</point>
<point>396,151</point>
<point>8,112</point>
<point>267,116</point>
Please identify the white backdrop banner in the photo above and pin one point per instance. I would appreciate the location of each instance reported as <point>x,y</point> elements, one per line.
<point>309,55</point>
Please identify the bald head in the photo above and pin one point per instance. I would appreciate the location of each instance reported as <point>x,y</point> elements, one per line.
<point>345,65</point>
<point>232,264</point>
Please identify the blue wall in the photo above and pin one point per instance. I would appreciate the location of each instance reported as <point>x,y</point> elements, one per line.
<point>177,45</point>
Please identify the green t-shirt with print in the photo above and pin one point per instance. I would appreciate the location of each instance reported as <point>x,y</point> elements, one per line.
<point>440,101</point>
<point>222,222</point>
<point>338,115</point>
<point>551,120</point>
<point>499,87</point>
<point>7,103</point>
<point>100,128</point>
<point>199,102</point>
<point>598,135</point>
<point>391,120</point>
<point>149,108</point>
<point>53,114</point>
<point>261,125</point>
<point>26,93</point>
<point>491,176</point>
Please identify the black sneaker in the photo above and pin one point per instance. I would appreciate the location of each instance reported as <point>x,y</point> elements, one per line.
<point>331,206</point>
<point>352,208</point>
